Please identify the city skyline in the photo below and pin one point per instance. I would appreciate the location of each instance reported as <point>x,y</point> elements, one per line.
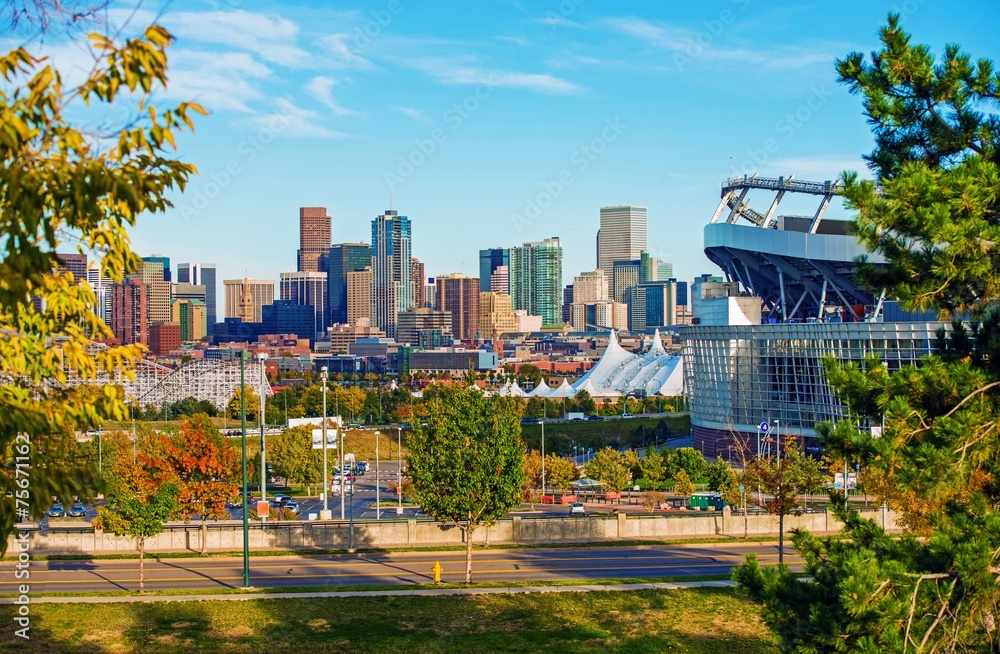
<point>504,108</point>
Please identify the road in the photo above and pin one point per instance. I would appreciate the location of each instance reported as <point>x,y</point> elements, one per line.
<point>392,568</point>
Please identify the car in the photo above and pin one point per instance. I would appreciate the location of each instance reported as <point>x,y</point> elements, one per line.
<point>281,498</point>
<point>626,416</point>
<point>354,425</point>
<point>406,425</point>
<point>367,466</point>
<point>57,511</point>
<point>531,421</point>
<point>596,419</point>
<point>576,419</point>
<point>78,511</point>
<point>291,505</point>
<point>577,508</point>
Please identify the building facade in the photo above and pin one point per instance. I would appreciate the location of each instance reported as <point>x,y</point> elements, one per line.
<point>341,260</point>
<point>314,237</point>
<point>129,313</point>
<point>624,275</point>
<point>246,297</point>
<point>164,338</point>
<point>191,317</point>
<point>622,235</point>
<point>536,280</point>
<point>202,274</point>
<point>309,289</point>
<point>423,324</point>
<point>289,317</point>
<point>500,280</point>
<point>392,287</point>
<point>459,295</point>
<point>590,287</point>
<point>496,315</point>
<point>489,260</point>
<point>359,295</point>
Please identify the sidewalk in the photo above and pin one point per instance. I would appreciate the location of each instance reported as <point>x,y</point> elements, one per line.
<point>426,592</point>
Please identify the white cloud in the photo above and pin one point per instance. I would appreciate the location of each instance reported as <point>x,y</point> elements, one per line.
<point>216,81</point>
<point>415,114</point>
<point>270,37</point>
<point>342,51</point>
<point>319,88</point>
<point>667,38</point>
<point>293,121</point>
<point>447,73</point>
<point>819,168</point>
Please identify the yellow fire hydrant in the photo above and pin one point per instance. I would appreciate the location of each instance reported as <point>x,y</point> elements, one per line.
<point>437,572</point>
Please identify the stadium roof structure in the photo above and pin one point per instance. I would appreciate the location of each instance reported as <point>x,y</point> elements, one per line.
<point>620,372</point>
<point>802,267</point>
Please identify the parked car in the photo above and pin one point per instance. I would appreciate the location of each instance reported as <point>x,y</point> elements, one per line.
<point>78,511</point>
<point>626,416</point>
<point>292,505</point>
<point>596,419</point>
<point>281,498</point>
<point>57,511</point>
<point>577,508</point>
<point>531,421</point>
<point>406,425</point>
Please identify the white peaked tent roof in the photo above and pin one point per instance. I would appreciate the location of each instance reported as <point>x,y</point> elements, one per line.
<point>619,371</point>
<point>542,390</point>
<point>515,391</point>
<point>564,390</point>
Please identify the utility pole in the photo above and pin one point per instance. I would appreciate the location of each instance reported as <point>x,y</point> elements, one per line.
<point>378,505</point>
<point>543,457</point>
<point>399,469</point>
<point>263,440</point>
<point>325,515</point>
<point>246,503</point>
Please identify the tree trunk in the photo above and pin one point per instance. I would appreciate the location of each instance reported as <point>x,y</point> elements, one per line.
<point>781,539</point>
<point>468,554</point>
<point>142,552</point>
<point>204,536</point>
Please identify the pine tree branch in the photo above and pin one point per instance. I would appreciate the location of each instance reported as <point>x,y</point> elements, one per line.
<point>971,395</point>
<point>937,620</point>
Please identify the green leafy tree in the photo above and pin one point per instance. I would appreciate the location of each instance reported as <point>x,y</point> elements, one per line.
<point>62,190</point>
<point>252,404</point>
<point>683,485</point>
<point>467,464</point>
<point>933,218</point>
<point>294,458</point>
<point>608,467</point>
<point>529,373</point>
<point>584,403</point>
<point>560,472</point>
<point>720,475</point>
<point>139,502</point>
<point>688,459</point>
<point>654,468</point>
<point>775,478</point>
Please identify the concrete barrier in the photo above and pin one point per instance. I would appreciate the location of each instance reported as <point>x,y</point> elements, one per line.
<point>228,535</point>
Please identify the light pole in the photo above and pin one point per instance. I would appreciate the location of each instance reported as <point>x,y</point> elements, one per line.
<point>263,440</point>
<point>378,506</point>
<point>543,457</point>
<point>777,439</point>
<point>399,469</point>
<point>326,484</point>
<point>246,503</point>
<point>341,451</point>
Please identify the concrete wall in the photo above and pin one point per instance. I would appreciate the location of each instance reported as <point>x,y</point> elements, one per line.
<point>421,533</point>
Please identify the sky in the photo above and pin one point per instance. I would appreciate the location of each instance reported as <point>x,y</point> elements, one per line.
<point>497,122</point>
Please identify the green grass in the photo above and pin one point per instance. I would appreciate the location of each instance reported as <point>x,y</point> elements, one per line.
<point>695,620</point>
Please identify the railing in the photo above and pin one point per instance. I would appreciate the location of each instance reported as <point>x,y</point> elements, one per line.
<point>782,184</point>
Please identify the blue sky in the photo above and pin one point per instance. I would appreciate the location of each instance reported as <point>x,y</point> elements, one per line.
<point>502,121</point>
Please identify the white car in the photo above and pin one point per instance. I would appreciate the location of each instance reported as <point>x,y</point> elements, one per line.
<point>577,508</point>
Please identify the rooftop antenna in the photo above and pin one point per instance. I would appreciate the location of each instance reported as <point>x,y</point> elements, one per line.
<point>390,199</point>
<point>730,166</point>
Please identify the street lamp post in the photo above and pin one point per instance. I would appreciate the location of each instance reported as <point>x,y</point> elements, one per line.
<point>263,440</point>
<point>378,505</point>
<point>399,469</point>
<point>543,457</point>
<point>246,503</point>
<point>777,439</point>
<point>326,475</point>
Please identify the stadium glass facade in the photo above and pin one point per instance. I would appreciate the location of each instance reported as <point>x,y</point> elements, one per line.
<point>738,376</point>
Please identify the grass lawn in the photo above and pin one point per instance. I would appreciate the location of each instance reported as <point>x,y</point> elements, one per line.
<point>634,622</point>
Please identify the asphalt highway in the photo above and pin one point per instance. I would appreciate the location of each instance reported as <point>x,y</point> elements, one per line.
<point>393,568</point>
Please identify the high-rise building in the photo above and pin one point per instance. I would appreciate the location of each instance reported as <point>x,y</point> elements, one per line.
<point>423,325</point>
<point>536,280</point>
<point>74,263</point>
<point>392,290</point>
<point>180,291</point>
<point>496,316</point>
<point>500,280</point>
<point>151,274</point>
<point>624,275</point>
<point>164,261</point>
<point>588,316</point>
<point>101,286</point>
<point>202,274</point>
<point>459,294</point>
<point>590,287</point>
<point>164,338</point>
<point>307,288</point>
<point>339,261</point>
<point>622,236</point>
<point>430,293</point>
<point>290,317</point>
<point>192,317</point>
<point>314,237</point>
<point>359,295</point>
<point>129,313</point>
<point>653,304</point>
<point>489,261</point>
<point>261,293</point>
<point>417,280</point>
<point>567,302</point>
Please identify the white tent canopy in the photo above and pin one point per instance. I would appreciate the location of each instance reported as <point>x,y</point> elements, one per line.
<point>564,390</point>
<point>654,372</point>
<point>542,390</point>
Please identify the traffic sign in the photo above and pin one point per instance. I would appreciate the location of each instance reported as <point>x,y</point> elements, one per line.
<point>742,489</point>
<point>764,427</point>
<point>262,509</point>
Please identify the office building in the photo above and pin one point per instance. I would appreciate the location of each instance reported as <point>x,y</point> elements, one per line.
<point>624,275</point>
<point>359,295</point>
<point>314,237</point>
<point>341,260</point>
<point>305,288</point>
<point>453,360</point>
<point>527,323</point>
<point>430,293</point>
<point>192,318</point>
<point>459,295</point>
<point>245,298</point>
<point>423,324</point>
<point>164,338</point>
<point>179,291</point>
<point>343,336</point>
<point>496,315</point>
<point>536,280</point>
<point>417,280</point>
<point>392,288</point>
<point>597,316</point>
<point>489,261</point>
<point>500,280</point>
<point>567,301</point>
<point>652,304</point>
<point>201,274</point>
<point>151,274</point>
<point>622,235</point>
<point>289,317</point>
<point>164,262</point>
<point>101,286</point>
<point>590,287</point>
<point>130,313</point>
<point>74,263</point>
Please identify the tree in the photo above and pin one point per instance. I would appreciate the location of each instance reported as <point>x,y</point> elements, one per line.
<point>933,217</point>
<point>720,475</point>
<point>584,403</point>
<point>653,468</point>
<point>560,472</point>
<point>533,469</point>
<point>294,458</point>
<point>775,478</point>
<point>608,467</point>
<point>682,483</point>
<point>529,373</point>
<point>652,499</point>
<point>139,503</point>
<point>62,188</point>
<point>204,466</point>
<point>252,404</point>
<point>688,459</point>
<point>806,473</point>
<point>467,464</point>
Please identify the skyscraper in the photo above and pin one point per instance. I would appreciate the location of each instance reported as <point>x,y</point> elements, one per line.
<point>190,315</point>
<point>341,260</point>
<point>314,237</point>
<point>536,280</point>
<point>307,288</point>
<point>500,280</point>
<point>159,258</point>
<point>590,287</point>
<point>417,279</point>
<point>261,294</point>
<point>622,235</point>
<point>359,294</point>
<point>624,275</point>
<point>74,263</point>
<point>392,290</point>
<point>129,313</point>
<point>459,295</point>
<point>489,261</point>
<point>151,273</point>
<point>202,274</point>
